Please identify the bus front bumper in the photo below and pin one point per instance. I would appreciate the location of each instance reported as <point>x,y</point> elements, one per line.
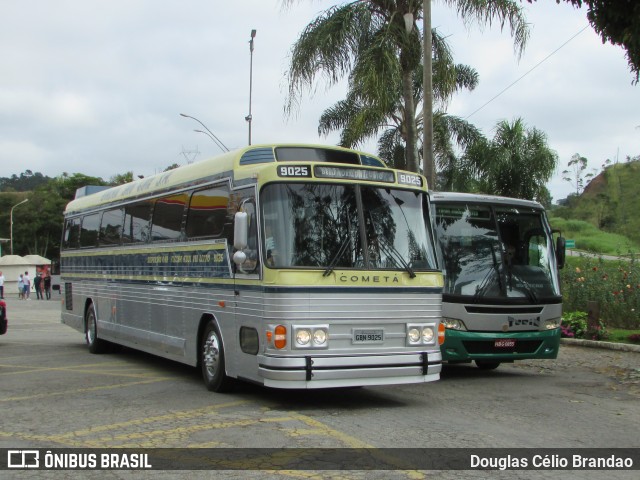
<point>310,372</point>
<point>463,346</point>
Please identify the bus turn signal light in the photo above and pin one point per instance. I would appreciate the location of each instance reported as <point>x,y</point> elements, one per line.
<point>441,330</point>
<point>280,337</point>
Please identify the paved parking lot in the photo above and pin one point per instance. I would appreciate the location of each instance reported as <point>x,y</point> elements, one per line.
<point>54,394</point>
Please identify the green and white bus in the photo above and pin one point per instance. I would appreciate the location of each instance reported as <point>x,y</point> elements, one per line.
<point>501,299</point>
<point>290,266</point>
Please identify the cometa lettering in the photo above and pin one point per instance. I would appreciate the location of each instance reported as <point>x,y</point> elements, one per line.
<point>369,279</point>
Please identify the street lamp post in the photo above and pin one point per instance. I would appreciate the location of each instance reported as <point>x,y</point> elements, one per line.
<point>11,222</point>
<point>208,132</point>
<point>248,118</point>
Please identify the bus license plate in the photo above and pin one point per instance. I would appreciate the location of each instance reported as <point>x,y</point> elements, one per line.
<point>368,336</point>
<point>505,343</point>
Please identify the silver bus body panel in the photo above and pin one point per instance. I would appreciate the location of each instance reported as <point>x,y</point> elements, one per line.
<point>124,316</point>
<point>119,308</point>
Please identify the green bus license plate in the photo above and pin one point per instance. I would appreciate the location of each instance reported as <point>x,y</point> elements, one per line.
<point>368,336</point>
<point>505,343</point>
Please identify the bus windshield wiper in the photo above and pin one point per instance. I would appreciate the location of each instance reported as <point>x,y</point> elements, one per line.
<point>337,256</point>
<point>528,289</point>
<point>390,249</point>
<point>484,285</point>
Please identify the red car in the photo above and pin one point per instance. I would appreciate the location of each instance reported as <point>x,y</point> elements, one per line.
<point>4,321</point>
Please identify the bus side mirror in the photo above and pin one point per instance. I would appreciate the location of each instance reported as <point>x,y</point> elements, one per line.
<point>239,257</point>
<point>560,251</point>
<point>240,231</point>
<point>240,237</point>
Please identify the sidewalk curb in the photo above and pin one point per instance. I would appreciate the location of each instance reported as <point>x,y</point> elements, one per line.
<point>624,347</point>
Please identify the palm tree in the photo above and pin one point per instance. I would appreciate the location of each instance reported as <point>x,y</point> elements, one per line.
<point>363,39</point>
<point>516,163</point>
<point>376,44</point>
<point>361,115</point>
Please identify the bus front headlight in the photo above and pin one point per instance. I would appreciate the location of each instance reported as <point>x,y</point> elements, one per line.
<point>320,337</point>
<point>414,335</point>
<point>311,336</point>
<point>453,323</point>
<point>427,334</point>
<point>303,337</point>
<point>552,323</point>
<point>421,334</point>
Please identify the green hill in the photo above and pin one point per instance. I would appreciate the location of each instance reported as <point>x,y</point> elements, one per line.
<point>611,204</point>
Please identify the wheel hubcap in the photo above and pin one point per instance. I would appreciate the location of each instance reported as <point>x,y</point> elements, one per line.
<point>211,354</point>
<point>91,329</point>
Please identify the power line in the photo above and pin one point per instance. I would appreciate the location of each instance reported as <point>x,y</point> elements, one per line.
<point>526,73</point>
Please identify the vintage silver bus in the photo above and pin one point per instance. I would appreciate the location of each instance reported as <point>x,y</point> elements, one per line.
<point>291,266</point>
<point>501,299</point>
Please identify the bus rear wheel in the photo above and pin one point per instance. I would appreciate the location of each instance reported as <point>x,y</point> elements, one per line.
<point>212,360</point>
<point>483,365</point>
<point>91,332</point>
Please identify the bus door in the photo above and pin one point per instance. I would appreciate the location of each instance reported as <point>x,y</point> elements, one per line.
<point>242,337</point>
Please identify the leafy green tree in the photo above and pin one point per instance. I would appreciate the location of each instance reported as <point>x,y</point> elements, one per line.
<point>376,44</point>
<point>517,162</point>
<point>66,185</point>
<point>121,178</point>
<point>37,225</point>
<point>24,182</point>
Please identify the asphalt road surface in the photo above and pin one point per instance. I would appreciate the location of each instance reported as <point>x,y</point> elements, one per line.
<point>54,394</point>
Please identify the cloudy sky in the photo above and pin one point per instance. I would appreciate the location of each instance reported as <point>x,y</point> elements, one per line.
<point>97,86</point>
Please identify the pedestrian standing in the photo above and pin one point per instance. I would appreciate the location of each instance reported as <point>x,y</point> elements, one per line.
<point>47,285</point>
<point>37,284</point>
<point>21,287</point>
<point>1,286</point>
<point>27,285</point>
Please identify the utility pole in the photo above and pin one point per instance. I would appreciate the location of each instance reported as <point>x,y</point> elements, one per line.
<point>248,118</point>
<point>428,162</point>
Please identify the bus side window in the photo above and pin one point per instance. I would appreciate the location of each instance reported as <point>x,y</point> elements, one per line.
<point>71,237</point>
<point>168,214</point>
<point>111,227</point>
<point>136,222</point>
<point>89,230</point>
<point>208,213</point>
<point>251,264</point>
<point>244,200</point>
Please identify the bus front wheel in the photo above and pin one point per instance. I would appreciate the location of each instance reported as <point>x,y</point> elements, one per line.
<point>482,365</point>
<point>91,332</point>
<point>212,360</point>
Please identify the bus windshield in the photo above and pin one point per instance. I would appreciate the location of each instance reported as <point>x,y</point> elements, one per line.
<point>345,226</point>
<point>496,252</point>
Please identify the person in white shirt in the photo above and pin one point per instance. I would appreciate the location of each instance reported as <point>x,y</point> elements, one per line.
<point>21,287</point>
<point>27,285</point>
<point>1,286</point>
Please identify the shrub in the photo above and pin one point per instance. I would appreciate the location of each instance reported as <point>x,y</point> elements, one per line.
<point>614,285</point>
<point>634,338</point>
<point>596,332</point>
<point>574,325</point>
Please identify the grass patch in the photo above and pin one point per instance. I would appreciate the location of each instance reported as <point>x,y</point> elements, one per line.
<point>619,335</point>
<point>591,239</point>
